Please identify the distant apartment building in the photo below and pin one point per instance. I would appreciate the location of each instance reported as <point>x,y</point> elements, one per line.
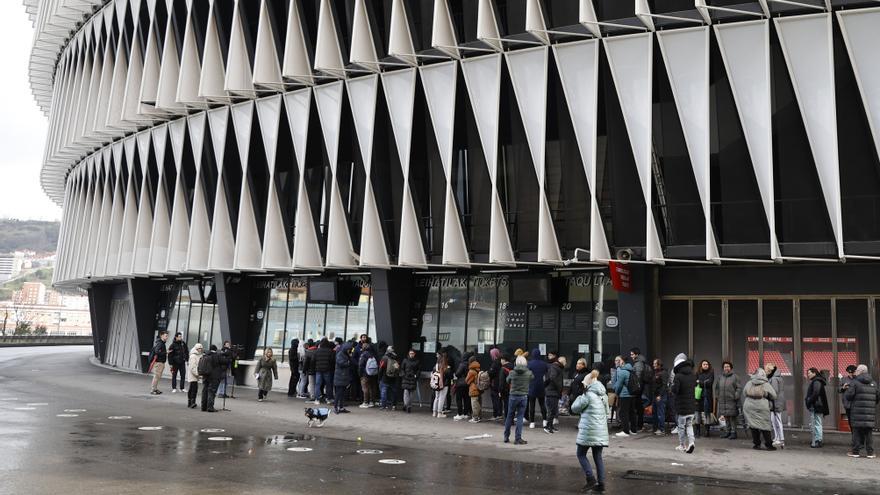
<point>10,265</point>
<point>32,293</point>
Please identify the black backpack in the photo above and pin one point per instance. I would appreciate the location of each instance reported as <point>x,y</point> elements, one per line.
<point>633,384</point>
<point>206,365</point>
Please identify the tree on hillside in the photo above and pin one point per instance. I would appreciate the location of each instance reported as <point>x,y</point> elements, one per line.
<point>22,328</point>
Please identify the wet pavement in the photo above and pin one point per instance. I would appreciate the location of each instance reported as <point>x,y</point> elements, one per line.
<point>66,428</point>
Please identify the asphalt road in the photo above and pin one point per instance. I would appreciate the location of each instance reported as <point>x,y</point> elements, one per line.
<point>67,426</point>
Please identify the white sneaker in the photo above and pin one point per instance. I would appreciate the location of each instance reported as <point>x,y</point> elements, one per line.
<point>474,420</point>
<point>173,390</point>
<point>679,448</point>
<point>317,403</point>
<point>458,417</point>
<point>556,422</point>
<point>544,425</point>
<point>531,425</point>
<point>364,405</point>
<point>674,431</point>
<point>621,434</point>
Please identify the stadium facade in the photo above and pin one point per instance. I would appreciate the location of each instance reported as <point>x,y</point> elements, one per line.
<point>464,172</point>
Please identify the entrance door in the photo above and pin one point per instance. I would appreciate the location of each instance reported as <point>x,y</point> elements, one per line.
<point>817,333</point>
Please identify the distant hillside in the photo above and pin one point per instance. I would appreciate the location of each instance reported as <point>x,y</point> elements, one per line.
<point>33,235</point>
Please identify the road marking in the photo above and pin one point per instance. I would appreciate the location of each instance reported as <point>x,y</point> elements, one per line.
<point>391,461</point>
<point>369,451</point>
<point>67,415</point>
<point>74,410</point>
<point>149,428</point>
<point>212,430</point>
<point>24,408</point>
<point>118,417</point>
<point>220,439</point>
<point>37,404</point>
<point>8,399</point>
<point>299,449</point>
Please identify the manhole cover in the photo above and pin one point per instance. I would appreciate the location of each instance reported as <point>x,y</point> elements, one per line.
<point>149,428</point>
<point>212,430</point>
<point>220,439</point>
<point>392,461</point>
<point>299,449</point>
<point>369,451</point>
<point>67,415</point>
<point>118,417</point>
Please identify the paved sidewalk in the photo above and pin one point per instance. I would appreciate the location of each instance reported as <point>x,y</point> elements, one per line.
<point>796,465</point>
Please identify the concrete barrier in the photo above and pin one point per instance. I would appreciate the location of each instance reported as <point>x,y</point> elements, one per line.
<point>41,340</point>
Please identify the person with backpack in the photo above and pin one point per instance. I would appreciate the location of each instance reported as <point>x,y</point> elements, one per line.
<point>368,367</point>
<point>536,389</point>
<point>192,374</point>
<point>593,408</point>
<point>409,379</point>
<point>644,377</point>
<point>441,377</point>
<point>157,359</point>
<point>816,401</point>
<point>682,391</point>
<point>863,395</point>
<point>495,386</point>
<point>461,389</point>
<point>178,355</point>
<point>625,384</point>
<point>389,372</point>
<point>758,396</point>
<point>552,390</point>
<point>293,361</point>
<point>519,380</point>
<point>341,377</point>
<point>475,379</point>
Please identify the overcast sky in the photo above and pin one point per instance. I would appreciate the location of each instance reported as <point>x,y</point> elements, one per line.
<point>22,125</point>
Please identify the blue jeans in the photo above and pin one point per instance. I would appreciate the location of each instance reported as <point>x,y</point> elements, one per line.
<point>322,379</point>
<point>816,426</point>
<point>597,458</point>
<point>386,394</point>
<point>660,414</point>
<point>516,406</point>
<point>686,430</point>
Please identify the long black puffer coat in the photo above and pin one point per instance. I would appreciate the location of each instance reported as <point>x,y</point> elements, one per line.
<point>864,395</point>
<point>409,373</point>
<point>683,388</point>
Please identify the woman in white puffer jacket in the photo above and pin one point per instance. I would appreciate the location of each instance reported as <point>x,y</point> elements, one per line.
<point>192,374</point>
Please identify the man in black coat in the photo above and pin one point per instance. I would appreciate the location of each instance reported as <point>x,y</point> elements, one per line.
<point>178,354</point>
<point>683,386</point>
<point>817,403</point>
<point>158,357</point>
<point>293,361</point>
<point>324,359</point>
<point>219,362</point>
<point>864,396</point>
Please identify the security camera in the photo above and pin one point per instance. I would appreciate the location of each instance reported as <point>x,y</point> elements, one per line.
<point>624,254</point>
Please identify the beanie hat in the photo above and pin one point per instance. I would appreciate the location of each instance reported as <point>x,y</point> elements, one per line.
<point>495,353</point>
<point>682,357</point>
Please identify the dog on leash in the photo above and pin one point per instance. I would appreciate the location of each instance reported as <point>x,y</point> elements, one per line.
<point>317,416</point>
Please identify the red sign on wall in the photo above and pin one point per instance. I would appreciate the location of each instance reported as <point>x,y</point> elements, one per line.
<point>621,276</point>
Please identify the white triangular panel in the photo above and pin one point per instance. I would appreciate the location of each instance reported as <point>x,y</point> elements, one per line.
<point>400,90</point>
<point>212,77</point>
<point>340,251</point>
<point>686,55</point>
<point>169,73</point>
<point>100,244</point>
<point>306,250</point>
<point>276,250</point>
<point>239,78</point>
<point>363,50</point>
<point>630,59</point>
<point>130,212</point>
<point>535,24</point>
<point>328,99</point>
<point>807,44</point>
<point>178,238</point>
<point>400,43</point>
<point>114,236</point>
<point>442,30</point>
<point>199,243</point>
<point>297,106</point>
<point>439,81</point>
<point>455,250</point>
<point>482,77</point>
<point>267,70</point>
<point>578,65</point>
<point>190,67</point>
<point>373,252</point>
<point>152,69</point>
<point>248,250</point>
<point>131,104</point>
<point>221,253</point>
<point>328,56</point>
<point>161,216</point>
<point>745,49</point>
<point>144,231</point>
<point>297,64</point>
<point>362,100</point>
<point>411,252</point>
<point>487,24</point>
<point>862,37</point>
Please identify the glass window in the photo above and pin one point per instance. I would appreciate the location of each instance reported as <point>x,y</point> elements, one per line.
<point>183,316</point>
<point>211,312</point>
<point>707,332</point>
<point>314,321</point>
<point>778,346</point>
<point>673,331</point>
<point>817,353</point>
<point>296,311</point>
<point>481,313</point>
<point>199,332</point>
<point>335,321</point>
<point>453,311</point>
<point>358,314</point>
<point>274,322</point>
<point>431,315</point>
<point>743,327</point>
<point>371,321</point>
<point>173,315</point>
<point>852,341</point>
